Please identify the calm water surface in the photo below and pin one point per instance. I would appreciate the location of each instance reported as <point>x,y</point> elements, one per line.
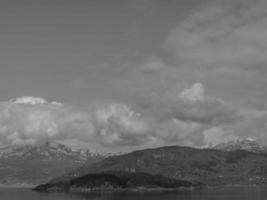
<point>244,193</point>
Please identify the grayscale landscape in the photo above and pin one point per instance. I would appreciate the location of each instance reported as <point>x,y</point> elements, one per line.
<point>127,100</point>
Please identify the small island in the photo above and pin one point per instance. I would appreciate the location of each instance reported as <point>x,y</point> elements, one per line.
<point>117,181</point>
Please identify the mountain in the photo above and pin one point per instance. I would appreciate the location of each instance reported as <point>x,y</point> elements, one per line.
<point>247,144</point>
<point>37,164</point>
<point>208,166</point>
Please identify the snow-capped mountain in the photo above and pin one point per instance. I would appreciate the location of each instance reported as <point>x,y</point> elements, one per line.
<point>247,144</point>
<point>36,164</point>
<point>47,151</point>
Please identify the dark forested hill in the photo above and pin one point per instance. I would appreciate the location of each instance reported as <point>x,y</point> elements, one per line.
<point>116,181</point>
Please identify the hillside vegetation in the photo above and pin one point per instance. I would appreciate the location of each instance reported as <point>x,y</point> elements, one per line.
<point>206,166</point>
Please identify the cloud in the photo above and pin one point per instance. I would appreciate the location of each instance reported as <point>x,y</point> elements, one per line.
<point>33,120</point>
<point>195,121</point>
<point>254,125</point>
<point>195,93</point>
<point>222,35</point>
<point>111,126</point>
<point>120,125</point>
<point>219,51</point>
<point>186,116</point>
<point>79,83</point>
<point>212,61</point>
<point>219,47</point>
<point>177,132</point>
<point>153,65</point>
<point>33,101</point>
<point>29,100</point>
<point>217,135</point>
<point>193,105</point>
<point>221,44</point>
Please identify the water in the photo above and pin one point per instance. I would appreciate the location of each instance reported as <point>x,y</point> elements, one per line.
<point>244,193</point>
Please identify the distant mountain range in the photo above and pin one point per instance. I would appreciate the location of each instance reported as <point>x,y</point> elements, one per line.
<point>37,164</point>
<point>247,144</point>
<point>207,166</point>
<point>234,162</point>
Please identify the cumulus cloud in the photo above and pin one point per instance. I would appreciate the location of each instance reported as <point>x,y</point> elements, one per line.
<point>120,125</point>
<point>202,116</point>
<point>192,104</point>
<point>33,120</point>
<point>186,116</point>
<point>195,93</point>
<point>29,100</point>
<point>116,126</point>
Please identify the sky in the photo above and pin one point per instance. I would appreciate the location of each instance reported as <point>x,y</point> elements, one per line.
<point>124,75</point>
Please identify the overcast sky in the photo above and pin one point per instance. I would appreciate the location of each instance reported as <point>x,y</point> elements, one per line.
<point>121,75</point>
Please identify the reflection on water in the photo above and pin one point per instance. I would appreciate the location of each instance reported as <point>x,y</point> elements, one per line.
<point>244,193</point>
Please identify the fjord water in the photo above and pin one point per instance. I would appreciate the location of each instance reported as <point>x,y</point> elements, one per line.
<point>227,193</point>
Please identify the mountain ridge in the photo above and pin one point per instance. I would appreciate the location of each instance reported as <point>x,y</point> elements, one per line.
<point>247,144</point>
<point>35,164</point>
